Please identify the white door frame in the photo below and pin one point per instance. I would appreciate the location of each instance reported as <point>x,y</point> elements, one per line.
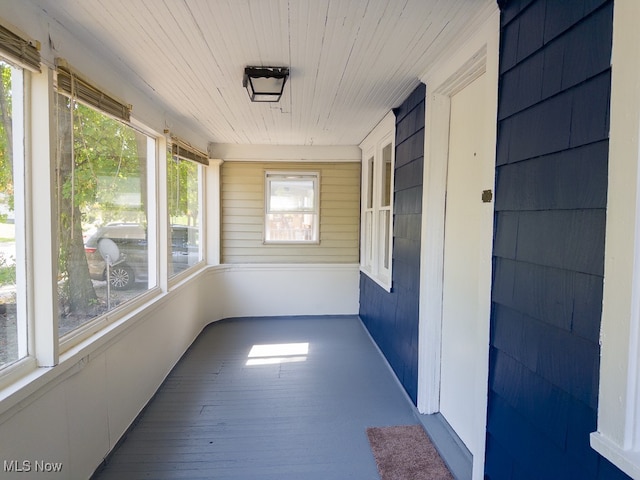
<point>478,55</point>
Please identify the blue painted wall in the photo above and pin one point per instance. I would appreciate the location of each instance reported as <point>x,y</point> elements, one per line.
<point>392,318</point>
<point>551,192</point>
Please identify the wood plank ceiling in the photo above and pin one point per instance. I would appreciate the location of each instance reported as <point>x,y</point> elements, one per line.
<point>351,61</point>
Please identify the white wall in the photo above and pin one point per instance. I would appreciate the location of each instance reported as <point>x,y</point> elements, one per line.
<point>272,290</point>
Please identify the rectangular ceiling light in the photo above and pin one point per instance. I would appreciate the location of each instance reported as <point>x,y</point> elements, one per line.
<point>265,84</point>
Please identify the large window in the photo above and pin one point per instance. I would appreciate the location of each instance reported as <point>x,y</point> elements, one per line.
<point>106,233</point>
<point>184,192</point>
<point>13,320</point>
<point>377,202</point>
<point>291,208</point>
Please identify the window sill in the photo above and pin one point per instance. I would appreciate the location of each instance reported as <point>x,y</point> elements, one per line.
<point>18,369</point>
<point>92,327</point>
<point>292,242</point>
<point>187,273</point>
<point>626,460</point>
<point>382,282</point>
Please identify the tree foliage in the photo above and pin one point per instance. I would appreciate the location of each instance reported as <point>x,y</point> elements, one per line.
<point>182,180</point>
<point>106,159</point>
<point>7,262</point>
<point>6,147</point>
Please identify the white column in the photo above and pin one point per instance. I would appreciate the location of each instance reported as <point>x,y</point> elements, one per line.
<point>213,211</point>
<point>42,247</point>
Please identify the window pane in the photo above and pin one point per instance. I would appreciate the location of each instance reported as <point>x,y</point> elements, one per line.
<point>291,227</point>
<point>386,176</point>
<point>291,195</point>
<point>291,210</point>
<point>368,240</point>
<point>13,337</point>
<point>101,182</point>
<point>184,213</point>
<point>370,183</point>
<point>385,225</point>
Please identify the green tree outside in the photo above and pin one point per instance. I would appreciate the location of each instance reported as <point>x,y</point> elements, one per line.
<point>7,265</point>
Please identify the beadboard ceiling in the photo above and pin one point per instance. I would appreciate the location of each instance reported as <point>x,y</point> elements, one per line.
<point>351,61</point>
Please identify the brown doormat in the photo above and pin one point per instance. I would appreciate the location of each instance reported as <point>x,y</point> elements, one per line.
<point>406,453</point>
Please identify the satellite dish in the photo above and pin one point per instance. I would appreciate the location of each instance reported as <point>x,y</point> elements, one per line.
<point>109,251</point>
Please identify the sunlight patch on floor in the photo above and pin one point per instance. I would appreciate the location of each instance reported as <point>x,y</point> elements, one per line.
<point>278,353</point>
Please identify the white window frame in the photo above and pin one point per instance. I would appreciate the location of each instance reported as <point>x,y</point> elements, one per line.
<point>154,282</point>
<point>618,434</point>
<point>372,237</point>
<point>284,175</point>
<point>63,343</point>
<point>367,253</point>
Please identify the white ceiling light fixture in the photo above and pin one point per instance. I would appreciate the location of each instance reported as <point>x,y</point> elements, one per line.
<point>265,84</point>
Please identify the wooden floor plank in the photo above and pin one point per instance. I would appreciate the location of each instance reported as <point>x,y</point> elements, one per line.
<point>217,417</point>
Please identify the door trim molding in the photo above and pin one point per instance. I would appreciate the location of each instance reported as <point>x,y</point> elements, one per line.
<point>477,56</point>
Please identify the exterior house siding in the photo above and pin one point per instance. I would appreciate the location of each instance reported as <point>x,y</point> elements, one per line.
<point>392,317</point>
<point>551,191</point>
<point>243,197</point>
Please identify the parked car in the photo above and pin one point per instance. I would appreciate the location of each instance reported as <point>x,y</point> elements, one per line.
<point>132,264</point>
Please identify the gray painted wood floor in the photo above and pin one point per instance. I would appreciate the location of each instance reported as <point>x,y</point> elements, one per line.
<point>216,417</point>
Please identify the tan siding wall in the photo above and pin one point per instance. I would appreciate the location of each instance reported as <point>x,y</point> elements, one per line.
<point>243,214</point>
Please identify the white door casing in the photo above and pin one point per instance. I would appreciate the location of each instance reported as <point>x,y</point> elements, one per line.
<point>476,57</point>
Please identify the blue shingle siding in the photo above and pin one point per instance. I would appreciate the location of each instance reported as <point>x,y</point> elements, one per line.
<point>550,204</point>
<point>392,318</point>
